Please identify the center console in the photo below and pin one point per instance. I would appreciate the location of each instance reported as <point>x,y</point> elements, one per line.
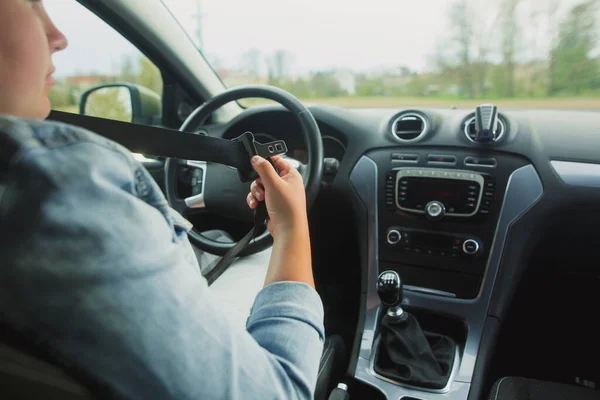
<point>438,219</point>
<point>438,214</point>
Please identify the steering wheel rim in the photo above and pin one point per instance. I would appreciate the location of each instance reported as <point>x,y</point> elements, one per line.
<point>312,138</point>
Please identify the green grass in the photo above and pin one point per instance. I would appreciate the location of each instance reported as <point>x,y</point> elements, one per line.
<point>586,103</point>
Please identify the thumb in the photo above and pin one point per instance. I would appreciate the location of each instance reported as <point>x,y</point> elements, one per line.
<point>265,170</point>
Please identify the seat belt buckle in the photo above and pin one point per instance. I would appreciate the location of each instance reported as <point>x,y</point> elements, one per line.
<point>254,148</point>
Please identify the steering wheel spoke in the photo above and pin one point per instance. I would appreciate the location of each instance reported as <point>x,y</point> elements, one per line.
<point>198,182</point>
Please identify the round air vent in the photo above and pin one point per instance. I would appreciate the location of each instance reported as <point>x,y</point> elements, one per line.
<point>409,127</point>
<point>471,134</point>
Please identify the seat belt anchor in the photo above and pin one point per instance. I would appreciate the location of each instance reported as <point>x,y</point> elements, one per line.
<point>254,148</point>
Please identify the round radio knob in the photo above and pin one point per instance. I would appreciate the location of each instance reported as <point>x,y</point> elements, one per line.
<point>393,236</point>
<point>435,210</point>
<point>470,247</point>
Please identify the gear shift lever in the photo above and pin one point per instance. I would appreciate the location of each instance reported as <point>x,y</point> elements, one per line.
<point>389,290</point>
<point>406,353</point>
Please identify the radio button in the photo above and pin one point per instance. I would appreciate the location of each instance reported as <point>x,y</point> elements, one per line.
<point>405,157</point>
<point>441,159</point>
<point>393,236</point>
<point>470,247</point>
<point>435,210</point>
<point>489,194</point>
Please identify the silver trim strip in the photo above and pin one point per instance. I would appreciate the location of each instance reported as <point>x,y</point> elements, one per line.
<point>523,190</point>
<point>428,290</point>
<point>458,175</point>
<point>405,161</point>
<point>577,174</point>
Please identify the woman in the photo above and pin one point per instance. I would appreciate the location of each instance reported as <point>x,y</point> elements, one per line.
<point>97,269</point>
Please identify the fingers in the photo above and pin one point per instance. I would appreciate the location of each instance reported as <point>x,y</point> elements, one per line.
<point>256,195</point>
<point>251,201</point>
<point>258,191</point>
<point>282,165</point>
<point>265,170</point>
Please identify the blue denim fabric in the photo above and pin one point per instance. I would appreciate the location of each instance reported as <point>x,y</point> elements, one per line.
<point>97,265</point>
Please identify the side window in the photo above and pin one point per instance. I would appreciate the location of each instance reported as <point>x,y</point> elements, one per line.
<point>101,70</point>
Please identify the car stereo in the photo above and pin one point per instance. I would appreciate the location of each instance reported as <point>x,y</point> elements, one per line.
<point>439,192</point>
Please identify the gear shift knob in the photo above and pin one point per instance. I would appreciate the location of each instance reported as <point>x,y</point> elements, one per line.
<point>389,288</point>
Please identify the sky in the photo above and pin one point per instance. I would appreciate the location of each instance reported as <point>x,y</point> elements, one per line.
<point>319,34</point>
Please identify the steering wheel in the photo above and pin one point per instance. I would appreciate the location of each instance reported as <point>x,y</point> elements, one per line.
<point>218,188</point>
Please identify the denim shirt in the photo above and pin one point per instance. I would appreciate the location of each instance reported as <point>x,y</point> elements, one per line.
<point>99,268</point>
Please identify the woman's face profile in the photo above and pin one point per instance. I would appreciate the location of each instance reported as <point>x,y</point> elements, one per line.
<point>27,41</point>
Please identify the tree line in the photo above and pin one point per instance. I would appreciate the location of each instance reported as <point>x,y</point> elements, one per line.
<point>502,48</point>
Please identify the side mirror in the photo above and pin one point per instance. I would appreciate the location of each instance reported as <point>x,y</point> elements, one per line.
<point>122,102</point>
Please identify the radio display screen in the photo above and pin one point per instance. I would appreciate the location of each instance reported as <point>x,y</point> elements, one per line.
<point>457,196</point>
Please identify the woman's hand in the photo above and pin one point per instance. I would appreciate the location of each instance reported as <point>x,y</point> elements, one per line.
<point>284,195</point>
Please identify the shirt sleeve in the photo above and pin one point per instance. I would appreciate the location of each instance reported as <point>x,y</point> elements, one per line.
<point>98,267</point>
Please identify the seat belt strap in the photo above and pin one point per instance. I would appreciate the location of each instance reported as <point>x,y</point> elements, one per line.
<point>166,142</point>
<point>260,216</point>
<point>159,141</point>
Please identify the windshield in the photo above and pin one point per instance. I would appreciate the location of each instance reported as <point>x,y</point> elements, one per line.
<point>390,53</point>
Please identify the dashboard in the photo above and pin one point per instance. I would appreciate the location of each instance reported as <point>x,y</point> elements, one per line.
<point>455,216</point>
